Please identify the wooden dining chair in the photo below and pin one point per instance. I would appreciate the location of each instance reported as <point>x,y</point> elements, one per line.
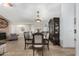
<point>46,39</point>
<point>38,42</point>
<point>27,39</point>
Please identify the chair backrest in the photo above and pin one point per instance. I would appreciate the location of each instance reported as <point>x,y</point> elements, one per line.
<point>30,35</point>
<point>38,38</point>
<point>26,35</point>
<point>46,35</point>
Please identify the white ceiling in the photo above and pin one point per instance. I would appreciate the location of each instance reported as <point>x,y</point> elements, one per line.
<point>26,12</point>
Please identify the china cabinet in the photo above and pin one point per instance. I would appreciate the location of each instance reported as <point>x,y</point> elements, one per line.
<point>54,30</point>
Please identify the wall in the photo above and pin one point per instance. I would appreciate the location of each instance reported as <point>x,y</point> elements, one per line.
<point>16,28</point>
<point>67,25</point>
<point>77,35</point>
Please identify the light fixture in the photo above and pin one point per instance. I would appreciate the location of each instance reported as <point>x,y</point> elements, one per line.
<point>38,18</point>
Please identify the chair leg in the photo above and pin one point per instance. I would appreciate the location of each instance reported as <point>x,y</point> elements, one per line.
<point>33,51</point>
<point>48,47</point>
<point>25,46</point>
<point>42,51</point>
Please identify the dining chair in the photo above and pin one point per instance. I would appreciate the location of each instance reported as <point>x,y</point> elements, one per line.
<point>38,42</point>
<point>27,39</point>
<point>46,39</point>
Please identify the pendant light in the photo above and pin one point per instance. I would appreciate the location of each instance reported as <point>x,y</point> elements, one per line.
<point>38,17</point>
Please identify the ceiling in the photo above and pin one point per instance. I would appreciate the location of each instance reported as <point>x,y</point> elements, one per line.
<point>26,12</point>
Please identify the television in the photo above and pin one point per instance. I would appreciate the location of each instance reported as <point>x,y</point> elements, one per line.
<point>2,35</point>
